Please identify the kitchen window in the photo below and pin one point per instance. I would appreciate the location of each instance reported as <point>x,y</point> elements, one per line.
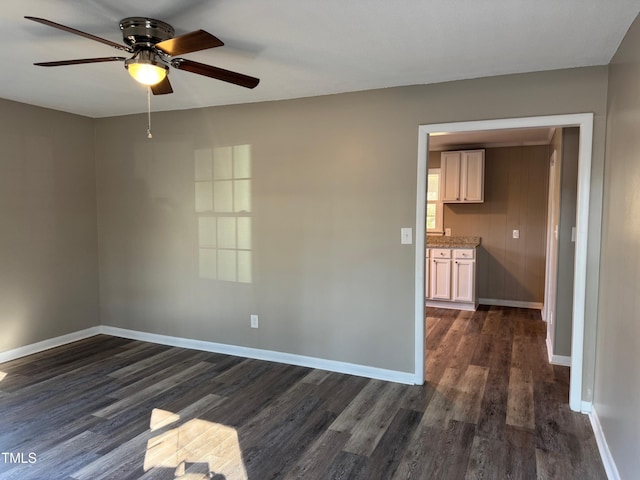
<point>434,205</point>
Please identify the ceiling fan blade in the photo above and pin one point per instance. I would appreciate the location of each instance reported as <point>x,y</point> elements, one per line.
<point>80,61</point>
<point>189,42</point>
<point>81,33</point>
<point>162,88</point>
<point>215,72</point>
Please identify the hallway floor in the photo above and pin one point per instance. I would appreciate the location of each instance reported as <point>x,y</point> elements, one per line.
<point>491,373</point>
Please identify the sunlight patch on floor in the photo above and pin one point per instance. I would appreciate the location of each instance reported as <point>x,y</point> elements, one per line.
<point>196,450</point>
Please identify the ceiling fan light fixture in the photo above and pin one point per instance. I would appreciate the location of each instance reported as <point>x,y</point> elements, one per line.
<point>147,74</point>
<point>145,68</point>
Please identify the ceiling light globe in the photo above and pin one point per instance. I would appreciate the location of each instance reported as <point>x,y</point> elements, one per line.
<point>146,73</point>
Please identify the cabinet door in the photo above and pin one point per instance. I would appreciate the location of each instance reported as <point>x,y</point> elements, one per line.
<point>427,278</point>
<point>450,176</point>
<point>464,280</point>
<point>472,178</point>
<point>441,279</point>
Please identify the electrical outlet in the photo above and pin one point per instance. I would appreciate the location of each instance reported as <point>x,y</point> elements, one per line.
<point>254,321</point>
<point>447,232</point>
<point>516,234</point>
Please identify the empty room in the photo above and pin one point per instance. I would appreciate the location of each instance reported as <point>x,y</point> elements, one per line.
<point>319,240</point>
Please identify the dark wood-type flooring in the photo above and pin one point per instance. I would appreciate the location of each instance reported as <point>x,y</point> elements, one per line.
<point>112,408</point>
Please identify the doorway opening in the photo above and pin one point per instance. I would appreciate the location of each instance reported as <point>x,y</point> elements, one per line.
<point>585,124</point>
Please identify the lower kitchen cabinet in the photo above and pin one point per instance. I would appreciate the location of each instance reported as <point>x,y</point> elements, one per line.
<point>451,278</point>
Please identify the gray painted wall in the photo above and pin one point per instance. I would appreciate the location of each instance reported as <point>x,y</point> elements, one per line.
<point>617,387</point>
<point>48,239</point>
<point>566,247</point>
<point>332,182</point>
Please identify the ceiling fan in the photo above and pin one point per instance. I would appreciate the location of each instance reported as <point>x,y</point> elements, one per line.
<point>154,47</point>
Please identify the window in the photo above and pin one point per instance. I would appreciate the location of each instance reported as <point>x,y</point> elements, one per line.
<point>434,205</point>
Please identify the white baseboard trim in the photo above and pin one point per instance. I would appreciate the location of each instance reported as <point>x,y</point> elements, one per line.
<point>549,348</point>
<point>509,303</point>
<point>37,347</point>
<point>246,352</point>
<point>268,355</point>
<point>469,307</point>
<point>607,459</point>
<point>562,360</point>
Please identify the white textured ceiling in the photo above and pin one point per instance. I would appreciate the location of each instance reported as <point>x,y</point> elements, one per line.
<point>301,48</point>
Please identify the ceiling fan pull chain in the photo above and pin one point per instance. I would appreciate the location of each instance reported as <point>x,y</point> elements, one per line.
<point>149,112</point>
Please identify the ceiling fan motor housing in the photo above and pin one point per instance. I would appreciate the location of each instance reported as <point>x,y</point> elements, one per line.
<point>145,32</point>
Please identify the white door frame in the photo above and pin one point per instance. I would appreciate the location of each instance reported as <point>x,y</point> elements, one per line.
<point>551,268</point>
<point>585,122</point>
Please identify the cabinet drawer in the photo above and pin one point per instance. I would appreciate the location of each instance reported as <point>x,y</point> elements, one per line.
<point>468,253</point>
<point>440,253</point>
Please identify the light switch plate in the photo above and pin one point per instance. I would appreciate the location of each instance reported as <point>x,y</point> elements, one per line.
<point>516,234</point>
<point>406,236</point>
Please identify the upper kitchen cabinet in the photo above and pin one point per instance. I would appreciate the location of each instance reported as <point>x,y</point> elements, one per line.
<point>462,176</point>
